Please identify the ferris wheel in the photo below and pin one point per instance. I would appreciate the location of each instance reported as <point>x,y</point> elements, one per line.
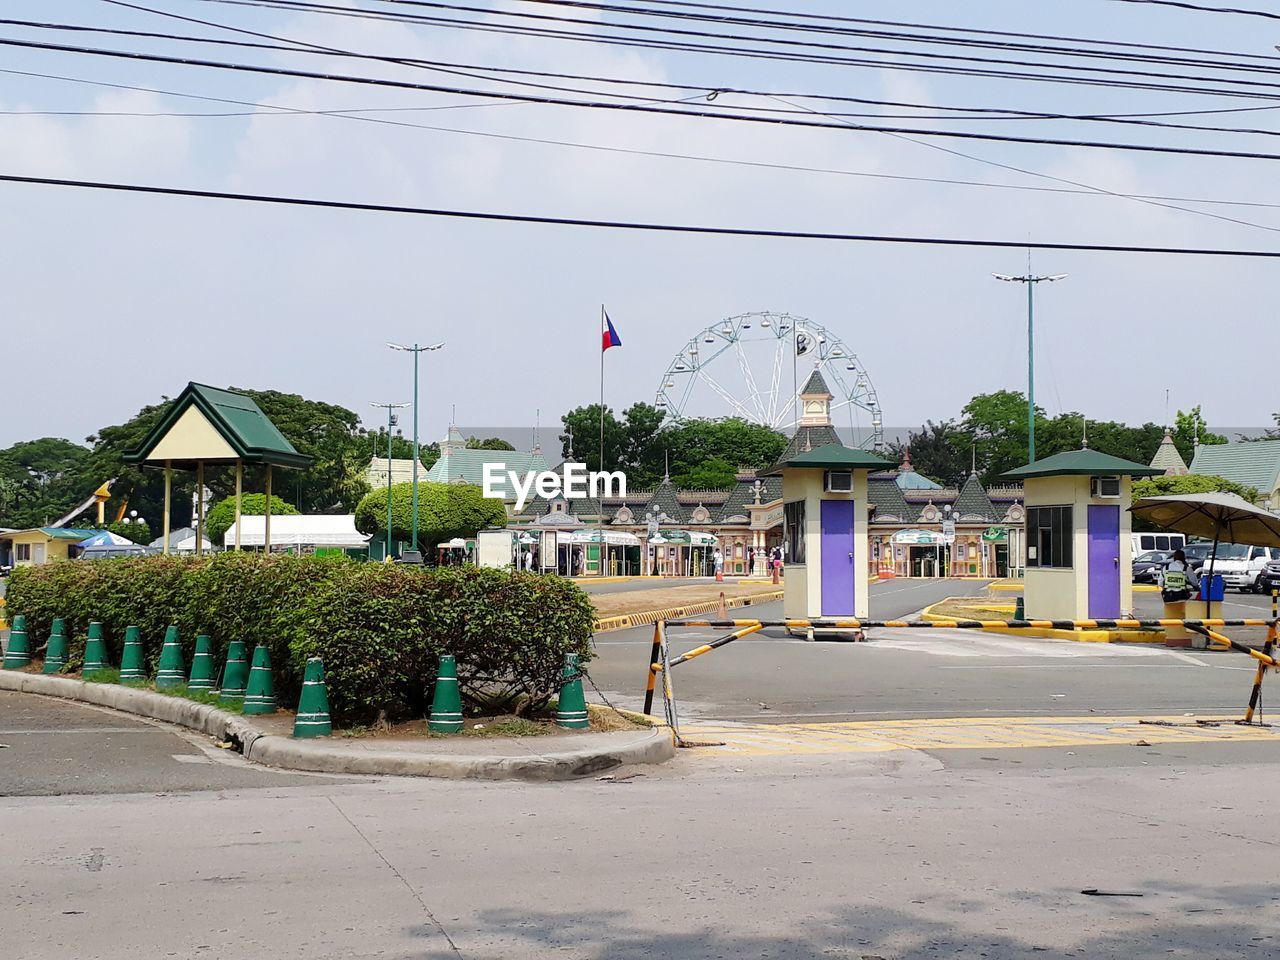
<point>751,365</point>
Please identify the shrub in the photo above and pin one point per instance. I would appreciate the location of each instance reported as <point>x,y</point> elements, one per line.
<point>445,511</point>
<point>379,628</point>
<point>223,513</point>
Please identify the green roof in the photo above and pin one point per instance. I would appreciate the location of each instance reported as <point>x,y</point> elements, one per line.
<point>1081,463</point>
<point>238,420</point>
<point>68,533</point>
<point>461,465</point>
<point>833,456</point>
<point>815,385</point>
<point>1253,464</point>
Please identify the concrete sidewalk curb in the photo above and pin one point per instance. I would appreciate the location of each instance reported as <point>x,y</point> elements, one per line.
<point>648,746</point>
<point>1048,633</point>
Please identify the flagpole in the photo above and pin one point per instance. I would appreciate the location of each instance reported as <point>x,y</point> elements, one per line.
<point>600,518</point>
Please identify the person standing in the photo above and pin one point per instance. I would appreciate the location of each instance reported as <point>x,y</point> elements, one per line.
<point>718,558</point>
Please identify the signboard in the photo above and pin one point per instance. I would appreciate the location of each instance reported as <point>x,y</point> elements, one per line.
<point>949,530</point>
<point>995,535</point>
<point>925,537</point>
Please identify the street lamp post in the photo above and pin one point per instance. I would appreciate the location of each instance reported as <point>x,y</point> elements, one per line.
<point>415,350</point>
<point>1030,280</point>
<point>391,422</point>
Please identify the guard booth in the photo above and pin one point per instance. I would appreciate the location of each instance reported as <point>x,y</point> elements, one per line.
<point>825,508</point>
<point>1079,554</point>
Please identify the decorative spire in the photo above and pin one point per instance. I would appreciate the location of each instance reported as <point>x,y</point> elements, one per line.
<point>905,466</point>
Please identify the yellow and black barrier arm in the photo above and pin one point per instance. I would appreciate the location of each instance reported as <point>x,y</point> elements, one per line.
<point>655,661</point>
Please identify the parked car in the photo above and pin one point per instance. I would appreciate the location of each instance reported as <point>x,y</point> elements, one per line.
<point>1271,576</point>
<point>1197,553</point>
<point>1241,565</point>
<point>1148,566</point>
<point>1145,542</point>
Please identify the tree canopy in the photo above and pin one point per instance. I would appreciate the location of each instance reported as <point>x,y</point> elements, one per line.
<point>699,452</point>
<point>222,514</point>
<point>445,511</point>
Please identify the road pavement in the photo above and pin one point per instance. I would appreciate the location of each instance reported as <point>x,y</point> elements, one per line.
<point>907,854</point>
<point>898,674</point>
<point>947,840</point>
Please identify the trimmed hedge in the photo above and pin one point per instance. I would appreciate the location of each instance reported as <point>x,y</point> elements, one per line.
<point>379,628</point>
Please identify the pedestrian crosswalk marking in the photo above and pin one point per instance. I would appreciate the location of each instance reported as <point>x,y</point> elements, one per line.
<point>960,734</point>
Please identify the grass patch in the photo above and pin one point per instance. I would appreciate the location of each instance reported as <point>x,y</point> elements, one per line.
<point>972,608</point>
<point>200,696</point>
<point>107,675</point>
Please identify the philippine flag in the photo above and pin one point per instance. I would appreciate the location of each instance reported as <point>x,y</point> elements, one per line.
<point>610,335</point>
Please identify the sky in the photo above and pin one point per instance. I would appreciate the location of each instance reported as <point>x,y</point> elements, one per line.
<point>112,301</point>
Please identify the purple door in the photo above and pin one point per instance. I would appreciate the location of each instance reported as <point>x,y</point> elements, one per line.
<point>1104,563</point>
<point>837,558</point>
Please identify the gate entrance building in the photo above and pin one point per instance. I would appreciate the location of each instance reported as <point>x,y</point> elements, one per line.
<point>824,503</point>
<point>1079,554</point>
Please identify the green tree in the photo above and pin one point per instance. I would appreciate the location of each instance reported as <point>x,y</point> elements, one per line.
<point>222,515</point>
<point>1190,426</point>
<point>489,443</point>
<point>996,424</point>
<point>582,435</point>
<point>642,448</point>
<point>939,451</point>
<point>445,511</point>
<point>135,530</point>
<point>714,474</point>
<point>43,479</point>
<point>733,441</point>
<point>1180,486</point>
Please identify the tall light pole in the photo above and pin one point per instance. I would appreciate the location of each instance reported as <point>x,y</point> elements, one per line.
<point>415,350</point>
<point>1030,280</point>
<point>391,408</point>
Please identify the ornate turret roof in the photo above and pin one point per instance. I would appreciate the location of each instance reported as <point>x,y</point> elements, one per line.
<point>1168,458</point>
<point>665,499</point>
<point>973,503</point>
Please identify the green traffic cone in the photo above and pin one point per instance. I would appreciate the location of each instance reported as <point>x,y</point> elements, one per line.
<point>571,712</point>
<point>18,653</point>
<point>95,652</point>
<point>55,654</point>
<point>235,674</point>
<point>170,673</point>
<point>312,719</point>
<point>202,669</point>
<point>446,702</point>
<point>259,693</point>
<point>133,667</point>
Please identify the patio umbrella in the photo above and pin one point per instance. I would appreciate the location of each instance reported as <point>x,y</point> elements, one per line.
<point>1222,516</point>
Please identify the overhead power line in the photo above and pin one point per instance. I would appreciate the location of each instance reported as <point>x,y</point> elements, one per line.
<point>1202,8</point>
<point>267,109</point>
<point>484,72</point>
<point>630,225</point>
<point>699,113</point>
<point>1200,85</point>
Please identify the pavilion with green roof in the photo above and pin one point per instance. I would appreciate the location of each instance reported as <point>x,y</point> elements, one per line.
<point>206,425</point>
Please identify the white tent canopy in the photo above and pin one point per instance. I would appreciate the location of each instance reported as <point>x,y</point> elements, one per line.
<point>189,545</point>
<point>320,530</point>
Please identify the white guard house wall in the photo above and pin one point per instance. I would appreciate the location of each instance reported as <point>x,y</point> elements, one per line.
<point>803,597</point>
<point>1097,567</point>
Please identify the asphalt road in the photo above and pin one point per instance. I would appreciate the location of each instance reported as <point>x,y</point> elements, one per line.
<point>56,747</point>
<point>901,674</point>
<point>908,854</point>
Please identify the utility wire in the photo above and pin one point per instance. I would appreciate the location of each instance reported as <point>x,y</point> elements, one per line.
<point>634,225</point>
<point>639,108</point>
<point>832,18</point>
<point>775,25</point>
<point>603,39</point>
<point>264,109</point>
<point>1200,8</point>
<point>482,72</point>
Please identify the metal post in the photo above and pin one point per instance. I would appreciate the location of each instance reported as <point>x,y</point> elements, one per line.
<point>239,495</point>
<point>168,493</point>
<point>390,418</point>
<point>414,507</point>
<point>655,655</point>
<point>1031,372</point>
<point>266,525</point>
<point>199,508</point>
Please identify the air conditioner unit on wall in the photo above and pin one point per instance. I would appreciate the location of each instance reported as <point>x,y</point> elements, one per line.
<point>1106,488</point>
<point>839,481</point>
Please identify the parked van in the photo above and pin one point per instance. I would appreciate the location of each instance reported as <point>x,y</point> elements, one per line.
<point>1241,566</point>
<point>1168,542</point>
